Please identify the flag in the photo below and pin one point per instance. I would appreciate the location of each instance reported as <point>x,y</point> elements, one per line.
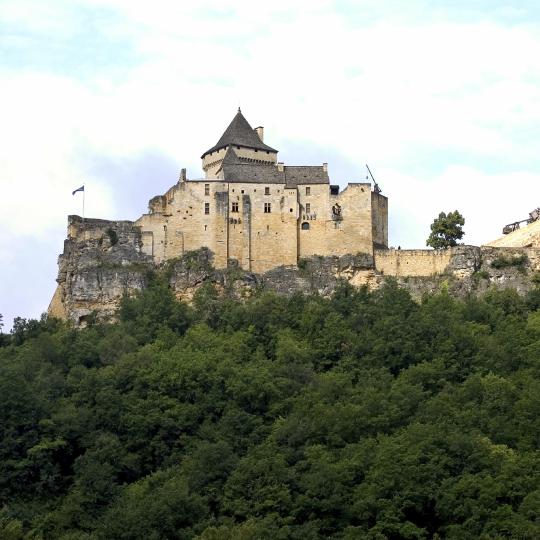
<point>78,189</point>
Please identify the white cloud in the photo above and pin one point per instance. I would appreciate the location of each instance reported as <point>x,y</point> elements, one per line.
<point>487,201</point>
<point>365,84</point>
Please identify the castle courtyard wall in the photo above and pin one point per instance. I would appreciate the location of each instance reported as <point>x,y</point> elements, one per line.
<point>411,262</point>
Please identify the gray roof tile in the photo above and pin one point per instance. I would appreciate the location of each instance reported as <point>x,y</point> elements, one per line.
<point>239,133</point>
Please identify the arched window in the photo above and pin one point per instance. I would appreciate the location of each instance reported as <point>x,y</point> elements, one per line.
<point>305,226</point>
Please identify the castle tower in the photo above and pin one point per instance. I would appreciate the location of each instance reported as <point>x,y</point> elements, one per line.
<point>246,142</point>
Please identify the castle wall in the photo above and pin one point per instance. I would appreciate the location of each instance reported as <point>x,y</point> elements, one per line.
<point>330,235</point>
<point>379,217</point>
<point>238,228</point>
<point>260,240</point>
<point>313,241</point>
<point>412,262</point>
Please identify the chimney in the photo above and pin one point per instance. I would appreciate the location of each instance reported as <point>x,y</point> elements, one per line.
<point>182,175</point>
<point>260,132</point>
<point>280,166</point>
<point>325,167</point>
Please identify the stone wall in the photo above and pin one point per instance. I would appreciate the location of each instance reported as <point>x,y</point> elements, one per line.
<point>412,262</point>
<point>103,260</point>
<point>259,226</point>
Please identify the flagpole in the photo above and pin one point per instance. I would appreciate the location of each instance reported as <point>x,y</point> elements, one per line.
<point>83,195</point>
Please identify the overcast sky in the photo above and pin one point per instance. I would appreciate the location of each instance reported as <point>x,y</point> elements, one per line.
<point>440,98</point>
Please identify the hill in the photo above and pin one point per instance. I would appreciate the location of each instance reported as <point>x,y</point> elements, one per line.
<point>357,415</point>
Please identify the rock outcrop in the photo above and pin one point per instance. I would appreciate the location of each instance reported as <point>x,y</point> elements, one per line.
<point>103,260</point>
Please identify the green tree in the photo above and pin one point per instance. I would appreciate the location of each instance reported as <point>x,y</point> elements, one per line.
<point>446,230</point>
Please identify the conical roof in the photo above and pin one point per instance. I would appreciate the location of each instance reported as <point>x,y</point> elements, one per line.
<point>240,133</point>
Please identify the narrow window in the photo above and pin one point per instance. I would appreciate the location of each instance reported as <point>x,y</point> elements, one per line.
<point>308,208</point>
<point>305,226</point>
<point>267,208</point>
<point>206,207</point>
<point>267,191</point>
<point>207,189</point>
<point>308,190</point>
<point>234,207</point>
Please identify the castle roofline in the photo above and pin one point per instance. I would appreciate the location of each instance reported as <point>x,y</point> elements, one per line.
<point>236,171</point>
<point>240,133</point>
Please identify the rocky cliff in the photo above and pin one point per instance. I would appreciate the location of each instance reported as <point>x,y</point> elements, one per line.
<point>103,260</point>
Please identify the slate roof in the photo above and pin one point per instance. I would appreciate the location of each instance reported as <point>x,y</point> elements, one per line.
<point>239,133</point>
<point>236,170</point>
<point>305,174</point>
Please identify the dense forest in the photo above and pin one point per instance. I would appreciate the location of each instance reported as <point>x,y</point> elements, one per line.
<point>364,415</point>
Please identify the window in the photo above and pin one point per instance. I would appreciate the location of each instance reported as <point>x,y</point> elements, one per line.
<point>308,191</point>
<point>267,208</point>
<point>267,191</point>
<point>207,189</point>
<point>206,207</point>
<point>305,226</point>
<point>234,207</point>
<point>308,208</point>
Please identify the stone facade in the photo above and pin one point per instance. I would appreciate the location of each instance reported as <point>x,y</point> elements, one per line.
<point>256,213</point>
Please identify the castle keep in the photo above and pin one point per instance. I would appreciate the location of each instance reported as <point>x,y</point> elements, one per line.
<point>254,212</point>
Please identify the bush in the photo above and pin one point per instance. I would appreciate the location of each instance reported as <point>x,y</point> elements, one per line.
<point>502,261</point>
<point>113,237</point>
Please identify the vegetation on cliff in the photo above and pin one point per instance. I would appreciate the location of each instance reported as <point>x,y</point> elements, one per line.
<point>365,415</point>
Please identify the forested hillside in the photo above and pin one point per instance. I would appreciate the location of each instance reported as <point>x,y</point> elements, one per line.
<point>366,415</point>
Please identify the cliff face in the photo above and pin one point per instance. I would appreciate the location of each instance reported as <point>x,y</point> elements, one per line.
<point>103,260</point>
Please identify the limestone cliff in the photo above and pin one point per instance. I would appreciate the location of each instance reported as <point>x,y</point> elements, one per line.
<point>103,260</point>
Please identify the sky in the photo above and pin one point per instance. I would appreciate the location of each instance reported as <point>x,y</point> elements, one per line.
<point>440,98</point>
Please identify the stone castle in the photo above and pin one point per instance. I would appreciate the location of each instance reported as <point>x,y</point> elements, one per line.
<point>254,223</point>
<point>254,212</point>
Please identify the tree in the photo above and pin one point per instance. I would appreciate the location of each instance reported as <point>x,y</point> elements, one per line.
<point>446,230</point>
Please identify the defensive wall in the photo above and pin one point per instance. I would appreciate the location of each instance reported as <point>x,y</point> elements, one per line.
<point>103,260</point>
<point>412,262</point>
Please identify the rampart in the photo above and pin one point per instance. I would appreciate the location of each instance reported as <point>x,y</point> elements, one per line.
<point>412,262</point>
<point>103,260</point>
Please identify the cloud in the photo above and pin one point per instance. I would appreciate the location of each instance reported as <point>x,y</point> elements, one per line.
<point>444,104</point>
<point>487,201</point>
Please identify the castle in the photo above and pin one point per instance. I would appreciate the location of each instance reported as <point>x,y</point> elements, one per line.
<point>284,228</point>
<point>254,212</point>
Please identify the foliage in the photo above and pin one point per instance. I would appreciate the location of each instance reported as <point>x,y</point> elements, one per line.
<point>502,261</point>
<point>446,230</point>
<point>481,274</point>
<point>364,415</point>
<point>113,236</point>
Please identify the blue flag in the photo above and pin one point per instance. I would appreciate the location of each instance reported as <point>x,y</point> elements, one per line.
<point>78,189</point>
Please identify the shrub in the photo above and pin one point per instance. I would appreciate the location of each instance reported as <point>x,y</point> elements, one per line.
<point>113,237</point>
<point>502,261</point>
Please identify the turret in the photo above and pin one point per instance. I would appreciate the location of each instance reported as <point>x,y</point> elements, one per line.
<point>246,142</point>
